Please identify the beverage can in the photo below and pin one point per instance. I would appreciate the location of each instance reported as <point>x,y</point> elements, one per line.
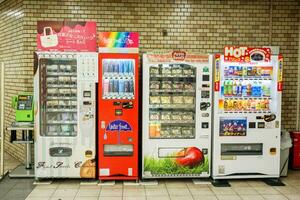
<point>126,86</point>
<point>131,86</point>
<point>121,86</point>
<point>116,85</point>
<point>105,86</point>
<point>125,67</point>
<point>121,67</point>
<point>111,85</point>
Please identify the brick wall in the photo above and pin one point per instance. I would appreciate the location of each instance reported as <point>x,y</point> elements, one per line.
<point>195,25</point>
<point>12,54</point>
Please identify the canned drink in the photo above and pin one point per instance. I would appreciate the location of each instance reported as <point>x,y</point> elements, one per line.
<point>116,67</point>
<point>105,87</point>
<point>111,86</point>
<point>131,86</point>
<point>126,86</point>
<point>116,85</point>
<point>121,86</point>
<point>121,67</point>
<point>125,67</point>
<point>105,67</point>
<point>130,68</point>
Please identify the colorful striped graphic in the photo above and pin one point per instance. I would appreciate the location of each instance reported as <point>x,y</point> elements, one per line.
<point>118,40</point>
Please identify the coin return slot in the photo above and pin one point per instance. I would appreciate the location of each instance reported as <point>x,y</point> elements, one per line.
<point>87,103</point>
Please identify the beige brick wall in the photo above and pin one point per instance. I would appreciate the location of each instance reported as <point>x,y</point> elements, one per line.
<point>11,54</point>
<point>205,26</point>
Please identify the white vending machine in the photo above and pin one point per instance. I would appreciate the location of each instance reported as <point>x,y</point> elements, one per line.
<point>247,113</point>
<point>65,111</point>
<point>177,102</point>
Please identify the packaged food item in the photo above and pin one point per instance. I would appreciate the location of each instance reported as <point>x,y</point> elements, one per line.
<point>188,100</point>
<point>52,68</point>
<point>52,91</point>
<point>165,99</point>
<point>188,71</point>
<point>177,99</point>
<point>177,85</point>
<point>154,100</point>
<point>52,80</point>
<point>176,116</point>
<point>166,70</point>
<point>52,103</point>
<point>176,131</point>
<point>66,128</point>
<point>187,116</point>
<point>154,116</point>
<point>66,116</point>
<point>154,85</point>
<point>165,116</point>
<point>53,128</point>
<point>165,132</point>
<point>154,130</point>
<point>187,132</point>
<point>176,70</point>
<point>154,70</point>
<point>65,79</point>
<point>166,85</point>
<point>188,86</point>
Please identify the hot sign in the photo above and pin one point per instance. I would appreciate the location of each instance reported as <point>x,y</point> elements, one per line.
<point>246,54</point>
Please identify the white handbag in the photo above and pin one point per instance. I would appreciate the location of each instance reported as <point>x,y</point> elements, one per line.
<point>49,40</point>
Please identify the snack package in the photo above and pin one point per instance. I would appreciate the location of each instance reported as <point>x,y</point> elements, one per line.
<point>187,132</point>
<point>176,131</point>
<point>178,85</point>
<point>52,68</point>
<point>187,71</point>
<point>154,100</point>
<point>154,85</point>
<point>188,100</point>
<point>177,99</point>
<point>165,116</point>
<point>154,116</point>
<point>165,132</point>
<point>165,99</point>
<point>176,70</point>
<point>154,70</point>
<point>166,85</point>
<point>176,116</point>
<point>188,116</point>
<point>166,70</point>
<point>188,86</point>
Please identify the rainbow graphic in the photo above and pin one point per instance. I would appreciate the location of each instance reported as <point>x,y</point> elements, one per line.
<point>118,40</point>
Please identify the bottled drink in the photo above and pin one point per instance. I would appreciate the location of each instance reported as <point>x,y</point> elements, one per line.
<point>230,88</point>
<point>121,67</point>
<point>225,88</point>
<point>116,86</point>
<point>258,89</point>
<point>249,89</point>
<point>234,89</point>
<point>121,87</point>
<point>105,87</point>
<point>125,67</point>
<point>244,71</point>
<point>239,89</point>
<point>131,86</point>
<point>126,86</point>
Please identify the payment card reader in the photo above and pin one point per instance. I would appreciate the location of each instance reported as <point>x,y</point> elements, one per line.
<point>23,104</point>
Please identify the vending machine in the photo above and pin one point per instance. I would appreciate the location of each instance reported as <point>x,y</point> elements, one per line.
<point>118,106</point>
<point>65,102</point>
<point>247,113</point>
<point>177,108</point>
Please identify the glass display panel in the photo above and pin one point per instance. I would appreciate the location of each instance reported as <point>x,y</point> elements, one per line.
<point>58,97</point>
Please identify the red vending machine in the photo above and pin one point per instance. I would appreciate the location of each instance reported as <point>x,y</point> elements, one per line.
<point>118,106</point>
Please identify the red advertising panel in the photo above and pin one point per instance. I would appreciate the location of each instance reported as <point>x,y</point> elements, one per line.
<point>246,54</point>
<point>66,36</point>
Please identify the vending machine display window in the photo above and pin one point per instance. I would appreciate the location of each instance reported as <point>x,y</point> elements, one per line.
<point>172,101</point>
<point>118,78</point>
<point>58,97</point>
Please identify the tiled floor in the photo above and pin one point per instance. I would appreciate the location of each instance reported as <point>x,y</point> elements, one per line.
<point>170,190</point>
<point>15,189</point>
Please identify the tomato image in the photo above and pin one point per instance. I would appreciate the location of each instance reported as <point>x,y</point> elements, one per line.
<point>189,157</point>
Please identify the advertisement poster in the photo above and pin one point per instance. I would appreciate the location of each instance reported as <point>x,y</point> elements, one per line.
<point>246,54</point>
<point>118,40</point>
<point>189,160</point>
<point>233,127</point>
<point>66,36</point>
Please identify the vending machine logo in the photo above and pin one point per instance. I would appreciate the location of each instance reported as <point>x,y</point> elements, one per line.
<point>246,54</point>
<point>118,125</point>
<point>179,55</point>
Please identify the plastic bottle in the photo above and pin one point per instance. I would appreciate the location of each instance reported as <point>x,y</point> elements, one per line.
<point>244,71</point>
<point>240,89</point>
<point>234,89</point>
<point>258,89</point>
<point>229,88</point>
<point>225,88</point>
